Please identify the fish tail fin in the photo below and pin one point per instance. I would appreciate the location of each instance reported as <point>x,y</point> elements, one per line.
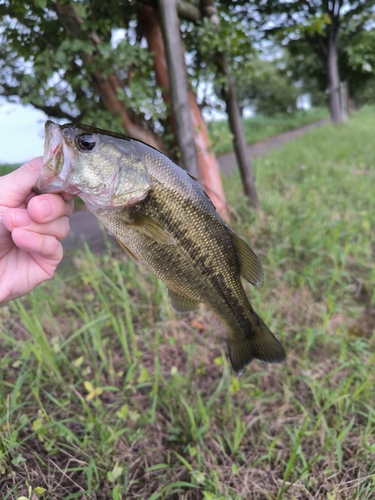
<point>259,343</point>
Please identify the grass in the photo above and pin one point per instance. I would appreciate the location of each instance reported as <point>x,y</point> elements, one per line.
<point>259,128</point>
<point>106,394</point>
<point>6,168</point>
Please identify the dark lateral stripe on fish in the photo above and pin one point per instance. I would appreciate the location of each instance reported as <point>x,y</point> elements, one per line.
<point>202,260</point>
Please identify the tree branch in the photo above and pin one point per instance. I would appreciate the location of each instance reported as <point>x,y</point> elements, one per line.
<point>57,112</point>
<point>185,10</point>
<point>11,13</point>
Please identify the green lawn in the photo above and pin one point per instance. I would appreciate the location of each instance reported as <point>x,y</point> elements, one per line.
<point>5,168</point>
<point>105,393</point>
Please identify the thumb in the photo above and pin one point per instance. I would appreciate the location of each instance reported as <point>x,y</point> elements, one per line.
<point>17,185</point>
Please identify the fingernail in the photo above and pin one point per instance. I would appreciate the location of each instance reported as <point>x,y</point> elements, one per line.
<point>47,207</point>
<point>20,218</point>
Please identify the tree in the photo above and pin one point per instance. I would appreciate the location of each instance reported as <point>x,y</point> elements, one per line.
<point>76,72</point>
<point>318,23</point>
<point>267,89</point>
<point>213,52</point>
<point>60,56</point>
<point>71,69</point>
<point>356,59</point>
<point>178,83</point>
<point>207,164</point>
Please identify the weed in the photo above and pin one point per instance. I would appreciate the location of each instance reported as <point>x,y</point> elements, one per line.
<point>106,394</point>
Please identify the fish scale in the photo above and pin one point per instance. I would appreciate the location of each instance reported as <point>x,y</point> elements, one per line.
<point>164,220</point>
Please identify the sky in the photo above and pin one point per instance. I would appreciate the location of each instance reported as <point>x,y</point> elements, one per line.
<point>21,132</point>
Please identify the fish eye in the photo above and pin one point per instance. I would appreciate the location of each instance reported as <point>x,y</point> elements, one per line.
<point>86,142</point>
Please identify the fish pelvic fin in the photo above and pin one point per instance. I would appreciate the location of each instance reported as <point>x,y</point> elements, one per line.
<point>129,252</point>
<point>260,344</point>
<point>151,228</point>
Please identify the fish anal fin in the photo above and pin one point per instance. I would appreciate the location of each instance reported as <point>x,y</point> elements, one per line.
<point>129,252</point>
<point>181,303</point>
<point>259,344</point>
<point>251,267</point>
<point>151,228</point>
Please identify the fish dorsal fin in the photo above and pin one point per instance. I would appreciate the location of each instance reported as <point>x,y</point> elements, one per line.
<point>194,178</point>
<point>181,303</point>
<point>129,252</point>
<point>151,228</point>
<point>202,188</point>
<point>251,267</point>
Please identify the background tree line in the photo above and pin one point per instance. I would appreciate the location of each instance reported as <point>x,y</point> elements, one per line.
<point>120,65</point>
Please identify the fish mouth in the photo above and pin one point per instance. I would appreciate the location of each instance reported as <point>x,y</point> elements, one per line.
<point>56,163</point>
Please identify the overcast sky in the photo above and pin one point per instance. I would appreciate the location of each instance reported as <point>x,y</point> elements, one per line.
<point>21,133</point>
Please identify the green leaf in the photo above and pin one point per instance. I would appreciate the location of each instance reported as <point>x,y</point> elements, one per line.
<point>116,472</point>
<point>122,413</point>
<point>144,376</point>
<point>116,492</point>
<point>39,490</point>
<point>235,385</point>
<point>42,4</point>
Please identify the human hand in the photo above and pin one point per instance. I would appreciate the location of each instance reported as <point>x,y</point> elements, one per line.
<point>31,228</point>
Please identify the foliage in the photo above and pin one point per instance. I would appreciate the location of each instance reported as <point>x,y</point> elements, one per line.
<point>267,89</point>
<point>105,393</point>
<point>306,29</point>
<point>206,45</point>
<point>60,61</point>
<point>355,61</point>
<point>357,64</point>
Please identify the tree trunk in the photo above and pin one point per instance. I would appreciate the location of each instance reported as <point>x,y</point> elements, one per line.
<point>151,29</point>
<point>333,78</point>
<point>178,84</point>
<point>208,166</point>
<point>209,173</point>
<point>239,143</point>
<point>107,86</point>
<point>344,101</point>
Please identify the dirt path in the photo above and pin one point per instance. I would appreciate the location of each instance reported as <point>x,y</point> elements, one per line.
<point>228,162</point>
<point>84,226</point>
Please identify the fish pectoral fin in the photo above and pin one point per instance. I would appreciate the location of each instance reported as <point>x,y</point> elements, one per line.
<point>129,252</point>
<point>260,344</point>
<point>181,303</point>
<point>251,267</point>
<point>151,228</point>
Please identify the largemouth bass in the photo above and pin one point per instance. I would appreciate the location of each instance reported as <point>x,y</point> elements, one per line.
<point>162,218</point>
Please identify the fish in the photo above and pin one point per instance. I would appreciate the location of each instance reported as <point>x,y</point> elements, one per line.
<point>164,220</point>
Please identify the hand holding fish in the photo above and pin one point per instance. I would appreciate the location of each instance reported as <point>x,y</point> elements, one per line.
<point>31,228</point>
